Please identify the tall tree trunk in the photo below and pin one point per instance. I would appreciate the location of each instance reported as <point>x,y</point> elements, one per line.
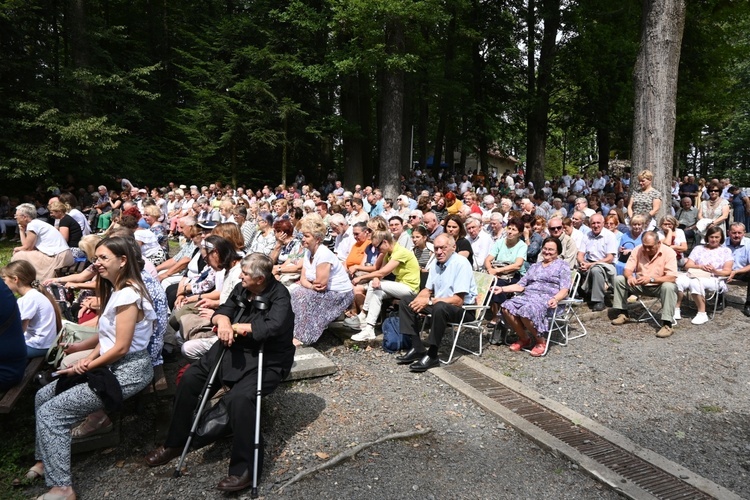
<point>655,78</point>
<point>352,133</point>
<point>407,152</point>
<point>392,115</point>
<point>540,83</point>
<point>602,146</point>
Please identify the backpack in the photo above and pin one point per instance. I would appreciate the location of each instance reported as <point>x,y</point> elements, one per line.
<point>64,298</point>
<point>393,339</point>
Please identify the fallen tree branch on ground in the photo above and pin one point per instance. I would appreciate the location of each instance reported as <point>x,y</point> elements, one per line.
<point>350,453</point>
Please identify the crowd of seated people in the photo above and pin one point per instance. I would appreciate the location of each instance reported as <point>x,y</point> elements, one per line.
<point>339,253</point>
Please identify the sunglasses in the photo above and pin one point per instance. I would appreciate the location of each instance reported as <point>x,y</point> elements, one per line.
<point>556,228</point>
<point>714,191</point>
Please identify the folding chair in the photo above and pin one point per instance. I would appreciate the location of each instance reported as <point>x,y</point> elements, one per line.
<point>485,282</point>
<point>713,296</point>
<point>648,313</point>
<point>560,322</point>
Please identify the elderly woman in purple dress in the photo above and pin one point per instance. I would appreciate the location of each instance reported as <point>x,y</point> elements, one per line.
<point>545,284</point>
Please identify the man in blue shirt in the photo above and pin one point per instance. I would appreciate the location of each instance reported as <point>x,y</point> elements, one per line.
<point>740,247</point>
<point>450,286</point>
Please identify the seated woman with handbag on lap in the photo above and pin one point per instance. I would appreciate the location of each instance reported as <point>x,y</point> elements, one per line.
<point>506,261</point>
<point>705,264</point>
<point>120,360</point>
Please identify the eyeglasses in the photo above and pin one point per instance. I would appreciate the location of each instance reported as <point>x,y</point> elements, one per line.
<point>714,191</point>
<point>556,228</point>
<point>414,217</point>
<point>100,258</point>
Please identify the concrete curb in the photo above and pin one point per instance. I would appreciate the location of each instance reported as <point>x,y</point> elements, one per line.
<point>559,448</point>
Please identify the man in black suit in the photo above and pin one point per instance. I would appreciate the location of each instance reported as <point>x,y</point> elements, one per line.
<point>259,312</point>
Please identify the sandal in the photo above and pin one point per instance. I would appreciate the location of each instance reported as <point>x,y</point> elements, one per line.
<point>517,346</point>
<point>538,349</point>
<point>35,473</point>
<point>87,428</point>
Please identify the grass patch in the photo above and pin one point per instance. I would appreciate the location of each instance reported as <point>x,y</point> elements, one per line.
<point>17,451</point>
<point>711,409</point>
<point>6,252</point>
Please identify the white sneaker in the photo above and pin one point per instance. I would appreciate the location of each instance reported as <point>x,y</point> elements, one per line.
<point>367,333</point>
<point>677,314</point>
<point>700,319</point>
<point>362,317</point>
<point>353,322</point>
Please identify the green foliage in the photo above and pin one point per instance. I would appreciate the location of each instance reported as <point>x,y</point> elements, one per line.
<point>249,91</point>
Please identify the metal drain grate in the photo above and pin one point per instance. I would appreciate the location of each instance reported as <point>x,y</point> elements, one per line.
<point>645,475</point>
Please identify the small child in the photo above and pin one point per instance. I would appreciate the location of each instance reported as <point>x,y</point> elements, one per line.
<point>40,315</point>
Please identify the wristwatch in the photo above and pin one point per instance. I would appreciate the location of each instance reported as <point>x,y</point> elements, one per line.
<point>429,302</point>
<point>651,280</point>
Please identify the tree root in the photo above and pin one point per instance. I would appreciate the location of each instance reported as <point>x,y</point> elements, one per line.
<point>350,453</point>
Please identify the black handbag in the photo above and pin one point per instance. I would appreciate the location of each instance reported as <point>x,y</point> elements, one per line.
<point>212,426</point>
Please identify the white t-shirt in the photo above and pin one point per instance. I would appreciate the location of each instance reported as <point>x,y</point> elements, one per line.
<point>81,220</point>
<point>150,245</point>
<point>144,329</point>
<point>338,280</point>
<point>49,241</point>
<point>42,329</point>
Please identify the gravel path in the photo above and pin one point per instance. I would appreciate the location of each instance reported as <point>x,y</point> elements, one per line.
<point>685,397</point>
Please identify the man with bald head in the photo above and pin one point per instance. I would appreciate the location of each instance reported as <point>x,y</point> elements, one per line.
<point>450,286</point>
<point>434,228</point>
<point>651,270</point>
<point>596,256</point>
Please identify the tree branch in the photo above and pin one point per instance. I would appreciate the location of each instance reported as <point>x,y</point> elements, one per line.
<point>350,453</point>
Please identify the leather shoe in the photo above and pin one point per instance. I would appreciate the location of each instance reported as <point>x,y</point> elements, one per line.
<point>746,310</point>
<point>597,306</point>
<point>161,456</point>
<point>235,483</point>
<point>409,357</point>
<point>424,364</point>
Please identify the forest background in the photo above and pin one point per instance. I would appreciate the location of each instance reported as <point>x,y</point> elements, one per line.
<point>253,91</point>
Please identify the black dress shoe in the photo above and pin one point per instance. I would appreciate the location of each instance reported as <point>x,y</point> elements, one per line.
<point>746,310</point>
<point>235,483</point>
<point>162,455</point>
<point>597,306</point>
<point>409,357</point>
<point>424,364</point>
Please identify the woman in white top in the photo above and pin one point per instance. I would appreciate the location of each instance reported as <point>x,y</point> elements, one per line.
<point>264,240</point>
<point>40,314</point>
<point>324,290</point>
<point>41,244</point>
<point>673,236</point>
<point>120,361</point>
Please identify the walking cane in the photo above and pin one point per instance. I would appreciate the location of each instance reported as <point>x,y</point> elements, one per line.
<point>203,399</point>
<point>254,490</point>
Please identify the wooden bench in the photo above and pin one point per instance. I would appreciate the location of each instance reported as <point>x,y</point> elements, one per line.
<point>9,398</point>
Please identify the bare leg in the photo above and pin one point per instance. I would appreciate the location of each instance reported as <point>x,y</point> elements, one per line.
<point>700,302</point>
<point>513,322</point>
